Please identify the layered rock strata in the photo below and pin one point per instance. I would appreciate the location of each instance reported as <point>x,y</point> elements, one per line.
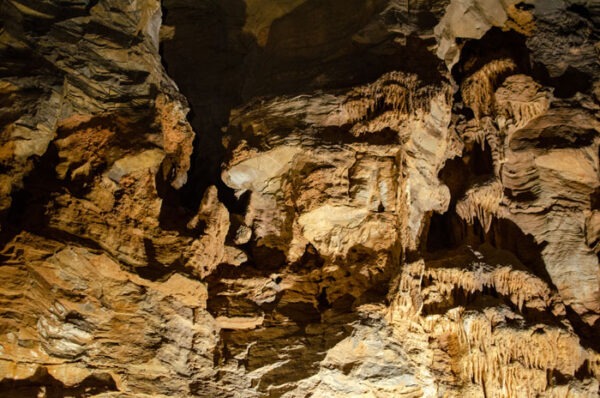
<point>369,199</point>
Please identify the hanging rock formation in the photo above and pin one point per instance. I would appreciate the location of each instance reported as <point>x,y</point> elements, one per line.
<point>369,198</point>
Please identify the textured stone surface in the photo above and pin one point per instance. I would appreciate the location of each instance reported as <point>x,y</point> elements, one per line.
<point>371,198</point>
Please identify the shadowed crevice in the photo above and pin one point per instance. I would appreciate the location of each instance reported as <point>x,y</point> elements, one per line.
<point>41,383</point>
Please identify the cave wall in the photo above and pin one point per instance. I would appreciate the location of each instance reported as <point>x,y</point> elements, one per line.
<point>254,198</point>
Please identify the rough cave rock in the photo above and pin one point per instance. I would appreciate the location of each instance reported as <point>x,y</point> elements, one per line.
<point>299,198</point>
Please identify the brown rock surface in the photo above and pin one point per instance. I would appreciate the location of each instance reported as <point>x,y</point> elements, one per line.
<point>371,198</point>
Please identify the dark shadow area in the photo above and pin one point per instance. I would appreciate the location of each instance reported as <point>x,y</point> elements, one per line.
<point>207,58</point>
<point>28,208</point>
<point>301,322</point>
<point>448,231</point>
<point>455,175</point>
<point>584,371</point>
<point>588,334</point>
<point>17,22</point>
<point>580,10</point>
<point>267,258</point>
<point>508,236</point>
<point>32,205</point>
<point>309,261</point>
<point>480,162</point>
<point>495,44</point>
<point>445,232</point>
<point>524,6</point>
<point>475,54</point>
<point>156,271</point>
<point>218,64</point>
<point>595,198</point>
<point>566,85</point>
<point>173,214</point>
<point>557,136</point>
<point>43,384</point>
<point>562,47</point>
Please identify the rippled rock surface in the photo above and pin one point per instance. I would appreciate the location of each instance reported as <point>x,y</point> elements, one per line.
<point>299,198</point>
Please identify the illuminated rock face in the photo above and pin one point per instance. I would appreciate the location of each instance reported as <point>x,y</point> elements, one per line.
<point>370,198</point>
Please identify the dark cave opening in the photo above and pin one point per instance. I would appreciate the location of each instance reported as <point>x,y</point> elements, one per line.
<point>480,161</point>
<point>447,231</point>
<point>444,232</point>
<point>566,85</point>
<point>218,65</point>
<point>27,211</point>
<point>206,58</point>
<point>498,44</point>
<point>495,44</point>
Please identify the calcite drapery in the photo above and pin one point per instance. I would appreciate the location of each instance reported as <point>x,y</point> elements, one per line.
<point>371,198</point>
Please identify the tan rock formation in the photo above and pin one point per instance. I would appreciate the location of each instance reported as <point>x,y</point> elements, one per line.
<point>371,198</point>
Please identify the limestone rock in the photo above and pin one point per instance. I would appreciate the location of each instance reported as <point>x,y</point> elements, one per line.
<point>369,198</point>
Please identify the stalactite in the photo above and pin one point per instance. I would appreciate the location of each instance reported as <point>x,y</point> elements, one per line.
<point>394,91</point>
<point>304,231</point>
<point>507,362</point>
<point>481,202</point>
<point>518,101</point>
<point>478,89</point>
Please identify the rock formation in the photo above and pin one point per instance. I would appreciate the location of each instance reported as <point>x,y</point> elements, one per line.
<point>370,198</point>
